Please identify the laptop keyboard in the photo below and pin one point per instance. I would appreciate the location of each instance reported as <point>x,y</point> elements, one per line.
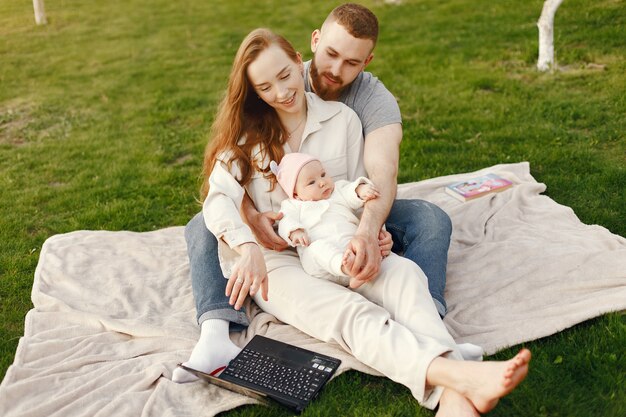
<point>266,371</point>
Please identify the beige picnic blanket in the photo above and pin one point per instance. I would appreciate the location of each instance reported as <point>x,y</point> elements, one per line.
<point>113,311</point>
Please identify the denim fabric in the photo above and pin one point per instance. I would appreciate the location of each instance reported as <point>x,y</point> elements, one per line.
<point>421,232</point>
<point>207,281</point>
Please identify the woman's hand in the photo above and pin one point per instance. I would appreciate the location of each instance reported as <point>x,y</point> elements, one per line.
<point>262,225</point>
<point>385,242</point>
<point>248,276</point>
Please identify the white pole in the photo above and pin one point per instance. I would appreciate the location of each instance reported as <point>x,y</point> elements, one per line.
<point>40,12</point>
<point>546,34</point>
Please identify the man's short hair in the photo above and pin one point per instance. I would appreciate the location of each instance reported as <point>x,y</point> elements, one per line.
<point>358,20</point>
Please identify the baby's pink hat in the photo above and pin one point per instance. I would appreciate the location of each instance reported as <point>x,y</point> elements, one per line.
<point>287,171</point>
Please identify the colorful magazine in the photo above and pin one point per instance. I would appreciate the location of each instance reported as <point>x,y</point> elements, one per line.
<point>478,187</point>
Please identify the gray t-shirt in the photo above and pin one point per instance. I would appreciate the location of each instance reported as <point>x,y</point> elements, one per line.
<point>369,98</point>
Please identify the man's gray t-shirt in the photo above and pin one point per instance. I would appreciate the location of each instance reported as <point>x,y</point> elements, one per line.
<point>370,100</point>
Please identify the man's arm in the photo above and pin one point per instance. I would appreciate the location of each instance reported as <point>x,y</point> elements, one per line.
<point>381,156</point>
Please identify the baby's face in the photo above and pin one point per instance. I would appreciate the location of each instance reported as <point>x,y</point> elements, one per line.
<point>313,184</point>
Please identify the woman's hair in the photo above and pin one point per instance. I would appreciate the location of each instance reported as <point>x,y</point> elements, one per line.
<point>242,113</point>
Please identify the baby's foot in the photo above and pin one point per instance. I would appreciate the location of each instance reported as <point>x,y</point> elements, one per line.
<point>486,382</point>
<point>213,350</point>
<point>346,262</point>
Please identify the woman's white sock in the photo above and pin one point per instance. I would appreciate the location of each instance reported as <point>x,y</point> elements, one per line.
<point>213,350</point>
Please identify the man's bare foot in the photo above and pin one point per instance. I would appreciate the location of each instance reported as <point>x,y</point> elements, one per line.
<point>486,382</point>
<point>453,404</point>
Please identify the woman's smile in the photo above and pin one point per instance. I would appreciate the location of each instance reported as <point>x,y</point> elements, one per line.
<point>289,101</point>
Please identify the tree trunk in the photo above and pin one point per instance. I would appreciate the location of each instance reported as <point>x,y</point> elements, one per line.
<point>546,34</point>
<point>40,12</point>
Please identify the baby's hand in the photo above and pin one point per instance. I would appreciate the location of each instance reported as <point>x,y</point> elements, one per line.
<point>367,192</point>
<point>299,238</point>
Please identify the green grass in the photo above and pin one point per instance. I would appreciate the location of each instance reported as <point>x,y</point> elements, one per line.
<point>104,114</point>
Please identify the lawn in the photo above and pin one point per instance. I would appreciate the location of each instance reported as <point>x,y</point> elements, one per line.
<point>104,114</point>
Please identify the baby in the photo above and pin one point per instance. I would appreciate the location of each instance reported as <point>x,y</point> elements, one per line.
<point>319,216</point>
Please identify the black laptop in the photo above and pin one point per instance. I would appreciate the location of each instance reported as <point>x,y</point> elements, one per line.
<point>267,368</point>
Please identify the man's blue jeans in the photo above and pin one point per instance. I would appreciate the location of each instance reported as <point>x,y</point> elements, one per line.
<point>420,230</point>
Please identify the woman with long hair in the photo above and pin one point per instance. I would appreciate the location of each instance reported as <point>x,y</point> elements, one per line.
<point>390,323</point>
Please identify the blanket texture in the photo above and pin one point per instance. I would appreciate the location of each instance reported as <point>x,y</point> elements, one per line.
<point>113,311</point>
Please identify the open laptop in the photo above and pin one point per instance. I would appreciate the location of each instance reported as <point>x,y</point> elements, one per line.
<point>267,368</point>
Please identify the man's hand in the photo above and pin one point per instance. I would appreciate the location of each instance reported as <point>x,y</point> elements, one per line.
<point>365,264</point>
<point>381,154</point>
<point>249,274</point>
<point>262,225</point>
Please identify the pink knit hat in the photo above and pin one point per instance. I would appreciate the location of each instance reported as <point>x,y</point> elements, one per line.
<point>287,172</point>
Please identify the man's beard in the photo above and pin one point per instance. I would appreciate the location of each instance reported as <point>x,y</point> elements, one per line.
<point>320,88</point>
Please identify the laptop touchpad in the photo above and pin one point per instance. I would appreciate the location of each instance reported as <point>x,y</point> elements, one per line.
<point>294,357</point>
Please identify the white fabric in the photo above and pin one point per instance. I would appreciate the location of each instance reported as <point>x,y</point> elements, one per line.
<point>392,317</point>
<point>113,311</point>
<point>340,315</point>
<point>329,224</point>
<point>332,133</point>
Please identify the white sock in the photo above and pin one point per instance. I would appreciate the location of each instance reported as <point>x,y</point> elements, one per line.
<point>471,352</point>
<point>213,350</point>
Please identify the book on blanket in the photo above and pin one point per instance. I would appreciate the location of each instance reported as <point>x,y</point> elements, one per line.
<point>478,187</point>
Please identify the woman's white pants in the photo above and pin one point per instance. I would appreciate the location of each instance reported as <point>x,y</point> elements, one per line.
<point>390,324</point>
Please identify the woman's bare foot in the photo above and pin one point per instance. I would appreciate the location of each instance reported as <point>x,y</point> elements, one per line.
<point>482,383</point>
<point>453,404</point>
<point>494,380</point>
